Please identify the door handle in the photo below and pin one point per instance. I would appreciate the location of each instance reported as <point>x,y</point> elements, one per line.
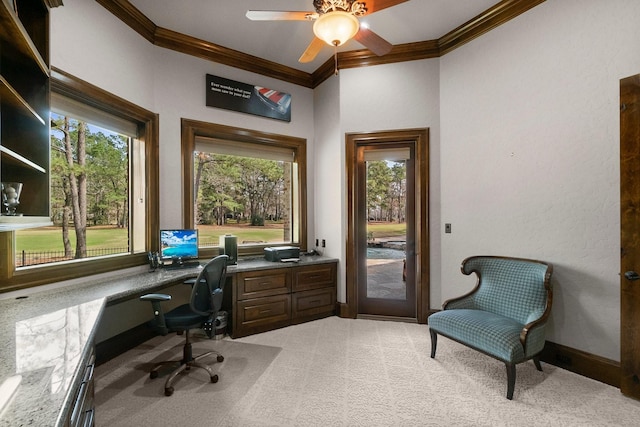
<point>631,275</point>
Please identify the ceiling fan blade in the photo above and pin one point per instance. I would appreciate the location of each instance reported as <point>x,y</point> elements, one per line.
<point>376,5</point>
<point>280,15</point>
<point>312,50</point>
<point>372,41</point>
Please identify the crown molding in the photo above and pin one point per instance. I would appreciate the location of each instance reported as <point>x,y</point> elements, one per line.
<point>53,3</point>
<point>491,18</point>
<point>206,50</point>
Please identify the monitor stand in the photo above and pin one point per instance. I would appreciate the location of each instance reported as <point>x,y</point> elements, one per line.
<point>179,262</point>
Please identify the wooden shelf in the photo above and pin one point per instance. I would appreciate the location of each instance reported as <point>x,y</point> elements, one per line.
<point>11,96</point>
<point>14,157</point>
<point>11,29</point>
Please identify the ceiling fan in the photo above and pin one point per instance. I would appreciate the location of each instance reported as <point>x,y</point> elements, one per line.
<point>335,23</point>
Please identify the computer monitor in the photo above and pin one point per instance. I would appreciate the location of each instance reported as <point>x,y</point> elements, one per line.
<point>178,244</point>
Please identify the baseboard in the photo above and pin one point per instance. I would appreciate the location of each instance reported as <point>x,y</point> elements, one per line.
<point>342,310</point>
<point>115,346</point>
<point>582,363</point>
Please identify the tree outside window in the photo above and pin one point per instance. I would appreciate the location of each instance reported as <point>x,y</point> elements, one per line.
<point>89,196</point>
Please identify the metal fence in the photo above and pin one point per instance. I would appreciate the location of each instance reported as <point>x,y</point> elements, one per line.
<point>24,258</point>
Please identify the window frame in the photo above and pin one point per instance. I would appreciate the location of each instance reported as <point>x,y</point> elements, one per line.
<point>148,125</point>
<point>192,129</point>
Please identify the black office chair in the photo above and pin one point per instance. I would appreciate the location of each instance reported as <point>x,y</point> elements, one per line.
<point>206,301</point>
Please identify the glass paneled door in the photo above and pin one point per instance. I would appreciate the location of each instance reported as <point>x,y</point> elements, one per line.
<point>386,243</point>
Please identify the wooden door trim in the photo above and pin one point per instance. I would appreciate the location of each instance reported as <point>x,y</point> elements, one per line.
<point>630,244</point>
<point>420,137</point>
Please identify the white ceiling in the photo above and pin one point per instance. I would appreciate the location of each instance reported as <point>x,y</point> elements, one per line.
<point>224,23</point>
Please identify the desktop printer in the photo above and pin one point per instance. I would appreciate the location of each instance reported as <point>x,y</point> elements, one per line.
<point>281,253</point>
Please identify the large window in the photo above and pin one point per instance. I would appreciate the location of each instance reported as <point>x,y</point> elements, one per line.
<point>244,183</point>
<point>102,189</point>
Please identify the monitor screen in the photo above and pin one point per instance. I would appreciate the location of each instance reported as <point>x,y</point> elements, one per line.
<point>178,243</point>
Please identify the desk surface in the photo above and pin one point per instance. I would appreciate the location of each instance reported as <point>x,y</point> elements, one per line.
<point>45,338</point>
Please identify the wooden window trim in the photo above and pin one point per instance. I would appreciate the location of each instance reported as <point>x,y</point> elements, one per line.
<point>191,129</point>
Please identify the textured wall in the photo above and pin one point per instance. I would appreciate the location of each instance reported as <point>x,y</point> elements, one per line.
<point>530,155</point>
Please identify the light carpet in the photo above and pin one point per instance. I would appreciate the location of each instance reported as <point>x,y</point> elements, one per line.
<point>345,372</point>
<point>126,396</point>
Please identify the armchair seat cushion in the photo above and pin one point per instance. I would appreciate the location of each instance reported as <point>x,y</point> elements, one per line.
<point>493,334</point>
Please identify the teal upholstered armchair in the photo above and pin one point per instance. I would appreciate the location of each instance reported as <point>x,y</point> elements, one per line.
<point>504,316</point>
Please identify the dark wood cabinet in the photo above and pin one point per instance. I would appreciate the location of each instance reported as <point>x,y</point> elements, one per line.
<point>24,108</point>
<point>272,298</point>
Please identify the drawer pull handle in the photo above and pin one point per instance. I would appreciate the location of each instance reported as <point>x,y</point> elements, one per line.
<point>265,311</point>
<point>315,301</point>
<point>88,374</point>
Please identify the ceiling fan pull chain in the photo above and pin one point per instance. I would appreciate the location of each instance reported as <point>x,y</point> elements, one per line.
<point>335,57</point>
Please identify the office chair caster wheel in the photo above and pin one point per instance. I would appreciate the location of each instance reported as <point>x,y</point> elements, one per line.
<point>214,378</point>
<point>220,358</point>
<point>168,391</point>
<point>153,374</point>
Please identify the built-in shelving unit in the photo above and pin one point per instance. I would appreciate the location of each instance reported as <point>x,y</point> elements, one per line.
<point>24,108</point>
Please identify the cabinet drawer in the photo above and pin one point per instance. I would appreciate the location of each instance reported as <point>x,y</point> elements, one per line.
<point>267,311</point>
<point>314,277</point>
<point>313,303</point>
<point>83,409</point>
<point>254,284</point>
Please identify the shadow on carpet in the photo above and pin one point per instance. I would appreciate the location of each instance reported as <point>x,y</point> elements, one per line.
<point>126,396</point>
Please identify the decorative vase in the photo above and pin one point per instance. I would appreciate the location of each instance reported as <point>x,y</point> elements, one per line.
<point>11,197</point>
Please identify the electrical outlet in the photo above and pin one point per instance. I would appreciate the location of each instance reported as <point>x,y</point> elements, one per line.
<point>447,228</point>
<point>324,243</point>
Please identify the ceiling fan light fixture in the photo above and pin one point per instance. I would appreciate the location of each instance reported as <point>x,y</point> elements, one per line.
<point>336,28</point>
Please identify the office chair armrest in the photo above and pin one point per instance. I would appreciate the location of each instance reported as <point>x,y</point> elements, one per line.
<point>155,297</point>
<point>158,323</point>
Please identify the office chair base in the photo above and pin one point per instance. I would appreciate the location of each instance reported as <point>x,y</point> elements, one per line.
<point>168,387</point>
<point>186,366</point>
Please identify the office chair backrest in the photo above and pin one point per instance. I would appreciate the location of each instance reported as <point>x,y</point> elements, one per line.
<point>206,295</point>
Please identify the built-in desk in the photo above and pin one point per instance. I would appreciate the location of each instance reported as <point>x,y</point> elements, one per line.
<point>47,338</point>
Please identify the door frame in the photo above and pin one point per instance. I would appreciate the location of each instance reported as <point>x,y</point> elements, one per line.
<point>630,246</point>
<point>420,137</point>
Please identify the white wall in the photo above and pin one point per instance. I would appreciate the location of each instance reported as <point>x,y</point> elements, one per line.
<point>90,43</point>
<point>530,156</point>
<point>328,158</point>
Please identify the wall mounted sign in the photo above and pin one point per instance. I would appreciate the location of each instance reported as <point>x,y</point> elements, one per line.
<point>245,98</point>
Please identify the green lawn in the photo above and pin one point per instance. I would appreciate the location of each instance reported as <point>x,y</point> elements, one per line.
<point>50,238</point>
<point>387,229</point>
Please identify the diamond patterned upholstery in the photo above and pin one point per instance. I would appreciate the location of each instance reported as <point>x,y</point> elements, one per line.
<point>504,316</point>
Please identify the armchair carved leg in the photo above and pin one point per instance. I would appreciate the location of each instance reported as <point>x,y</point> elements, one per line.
<point>434,343</point>
<point>511,379</point>
<point>536,361</point>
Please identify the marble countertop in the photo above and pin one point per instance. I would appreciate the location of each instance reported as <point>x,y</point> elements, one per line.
<point>46,337</point>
